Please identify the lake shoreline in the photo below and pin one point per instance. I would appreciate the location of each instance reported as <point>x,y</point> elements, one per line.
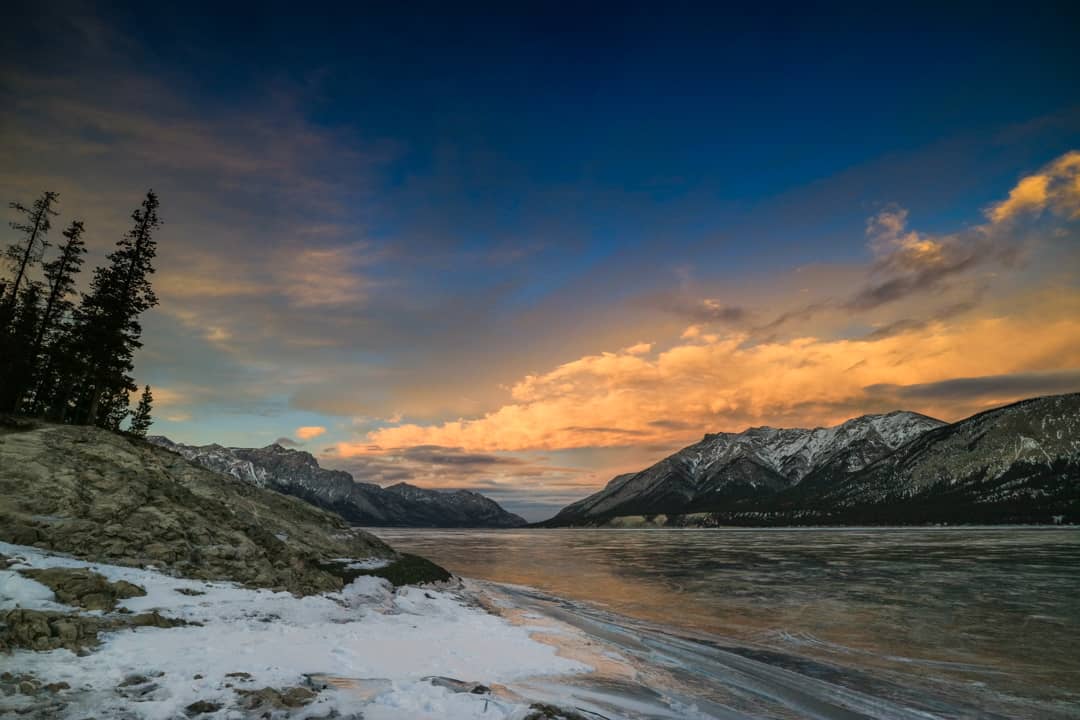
<point>975,618</point>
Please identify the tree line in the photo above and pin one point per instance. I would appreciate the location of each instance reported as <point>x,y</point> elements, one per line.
<point>68,356</point>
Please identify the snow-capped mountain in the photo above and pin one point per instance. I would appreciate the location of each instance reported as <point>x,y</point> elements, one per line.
<point>757,461</point>
<point>1018,463</point>
<point>298,473</point>
<point>1024,454</point>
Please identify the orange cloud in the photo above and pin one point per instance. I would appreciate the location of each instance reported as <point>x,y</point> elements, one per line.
<point>638,349</point>
<point>168,403</point>
<point>1056,186</point>
<point>310,431</point>
<point>621,398</point>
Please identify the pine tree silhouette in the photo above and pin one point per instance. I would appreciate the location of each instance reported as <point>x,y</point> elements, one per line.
<point>73,363</point>
<point>141,420</point>
<point>23,254</point>
<point>60,274</point>
<point>107,328</point>
<point>18,366</point>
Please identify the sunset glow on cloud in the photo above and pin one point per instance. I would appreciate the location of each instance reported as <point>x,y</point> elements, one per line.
<point>1057,187</point>
<point>730,380</point>
<point>619,398</point>
<point>309,432</point>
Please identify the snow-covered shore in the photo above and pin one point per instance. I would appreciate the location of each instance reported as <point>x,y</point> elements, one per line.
<point>460,650</point>
<point>382,643</point>
<point>130,588</point>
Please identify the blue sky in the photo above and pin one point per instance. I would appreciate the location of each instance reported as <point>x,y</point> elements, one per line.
<point>392,222</point>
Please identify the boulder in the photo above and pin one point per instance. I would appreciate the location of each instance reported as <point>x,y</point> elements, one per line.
<point>272,698</point>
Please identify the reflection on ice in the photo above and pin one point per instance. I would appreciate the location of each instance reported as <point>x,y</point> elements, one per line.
<point>939,622</point>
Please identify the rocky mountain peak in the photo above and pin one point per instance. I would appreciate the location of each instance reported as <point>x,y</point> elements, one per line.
<point>794,452</point>
<point>296,472</point>
<point>757,458</point>
<point>1020,462</point>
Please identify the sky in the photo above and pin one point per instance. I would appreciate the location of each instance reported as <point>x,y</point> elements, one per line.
<point>522,248</point>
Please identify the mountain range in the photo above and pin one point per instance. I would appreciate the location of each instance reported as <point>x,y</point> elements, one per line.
<point>1018,463</point>
<point>297,473</point>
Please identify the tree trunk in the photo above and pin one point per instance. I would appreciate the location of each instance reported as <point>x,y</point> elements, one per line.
<point>92,411</point>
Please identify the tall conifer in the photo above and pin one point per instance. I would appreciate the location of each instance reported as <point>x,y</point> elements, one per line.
<point>107,322</point>
<point>17,366</point>
<point>49,341</point>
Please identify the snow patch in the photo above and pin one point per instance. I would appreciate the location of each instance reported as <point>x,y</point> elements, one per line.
<point>390,639</point>
<point>372,563</point>
<point>19,591</point>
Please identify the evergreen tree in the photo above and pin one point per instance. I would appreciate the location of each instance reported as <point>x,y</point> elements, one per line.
<point>107,322</point>
<point>18,364</point>
<point>48,341</point>
<point>141,420</point>
<point>23,254</point>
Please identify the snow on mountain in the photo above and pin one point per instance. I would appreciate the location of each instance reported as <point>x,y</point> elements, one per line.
<point>298,473</point>
<point>755,461</point>
<point>795,452</point>
<point>1018,463</point>
<point>1027,449</point>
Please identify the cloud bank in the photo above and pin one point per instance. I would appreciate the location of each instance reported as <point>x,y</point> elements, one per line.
<point>964,349</point>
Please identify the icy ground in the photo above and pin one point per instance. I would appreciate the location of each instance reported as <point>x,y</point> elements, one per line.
<point>416,653</point>
<point>384,641</point>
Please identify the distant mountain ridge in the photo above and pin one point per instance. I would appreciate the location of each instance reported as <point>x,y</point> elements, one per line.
<point>725,466</point>
<point>297,473</point>
<point>1019,463</point>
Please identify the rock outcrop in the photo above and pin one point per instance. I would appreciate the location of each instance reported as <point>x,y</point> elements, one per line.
<point>84,588</point>
<point>45,630</point>
<point>106,497</point>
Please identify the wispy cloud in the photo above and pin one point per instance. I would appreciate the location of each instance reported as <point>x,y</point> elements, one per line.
<point>326,277</point>
<point>907,324</point>
<point>995,387</point>
<point>909,263</point>
<point>704,310</point>
<point>528,484</point>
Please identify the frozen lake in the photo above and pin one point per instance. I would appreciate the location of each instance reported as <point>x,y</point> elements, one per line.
<point>952,622</point>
